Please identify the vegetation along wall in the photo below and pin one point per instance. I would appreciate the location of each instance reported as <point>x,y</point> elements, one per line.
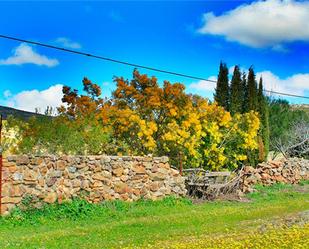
<point>94,178</point>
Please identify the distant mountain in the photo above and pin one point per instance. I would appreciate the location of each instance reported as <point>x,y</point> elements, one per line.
<point>7,111</point>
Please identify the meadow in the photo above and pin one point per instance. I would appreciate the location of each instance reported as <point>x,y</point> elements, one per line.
<point>269,218</point>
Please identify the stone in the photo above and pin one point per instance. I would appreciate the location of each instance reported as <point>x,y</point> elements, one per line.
<point>22,160</point>
<point>85,184</point>
<point>118,171</point>
<point>51,181</point>
<point>81,165</point>
<point>122,188</point>
<point>43,169</point>
<point>148,165</point>
<point>124,197</point>
<point>164,166</point>
<point>174,172</point>
<point>7,189</point>
<point>95,178</point>
<point>11,158</point>
<point>105,159</point>
<point>72,169</point>
<point>30,175</point>
<point>97,184</point>
<point>8,163</point>
<point>50,198</point>
<point>248,169</point>
<point>8,199</point>
<point>154,186</point>
<point>265,176</point>
<point>163,171</point>
<point>55,173</point>
<point>136,192</point>
<point>124,178</point>
<point>164,159</point>
<point>17,191</point>
<point>36,161</point>
<point>155,169</point>
<point>157,176</point>
<point>99,176</point>
<point>61,165</point>
<point>138,169</point>
<point>41,182</point>
<point>17,176</point>
<point>127,158</point>
<point>76,183</point>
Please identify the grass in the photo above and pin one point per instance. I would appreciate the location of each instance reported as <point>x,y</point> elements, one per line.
<point>170,223</point>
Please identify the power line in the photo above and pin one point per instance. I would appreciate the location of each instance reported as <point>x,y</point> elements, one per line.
<point>286,94</point>
<point>131,64</point>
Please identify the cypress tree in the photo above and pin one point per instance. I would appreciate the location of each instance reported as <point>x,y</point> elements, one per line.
<point>244,93</point>
<point>236,96</point>
<point>264,117</point>
<point>221,95</point>
<point>252,91</point>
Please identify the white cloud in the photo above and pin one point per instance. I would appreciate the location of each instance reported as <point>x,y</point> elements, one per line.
<point>24,54</point>
<point>261,24</point>
<point>66,42</point>
<point>30,100</point>
<point>204,85</point>
<point>294,84</point>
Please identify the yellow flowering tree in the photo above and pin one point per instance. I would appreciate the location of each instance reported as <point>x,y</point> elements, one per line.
<point>167,121</point>
<point>143,117</point>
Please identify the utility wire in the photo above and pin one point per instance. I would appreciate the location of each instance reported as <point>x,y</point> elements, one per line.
<point>131,64</point>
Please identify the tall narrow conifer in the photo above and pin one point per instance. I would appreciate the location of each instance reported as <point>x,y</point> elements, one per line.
<point>236,95</point>
<point>264,117</point>
<point>221,95</point>
<point>244,91</point>
<point>252,91</point>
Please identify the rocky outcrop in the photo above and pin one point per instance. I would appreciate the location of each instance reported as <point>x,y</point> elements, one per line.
<point>94,178</point>
<point>289,171</point>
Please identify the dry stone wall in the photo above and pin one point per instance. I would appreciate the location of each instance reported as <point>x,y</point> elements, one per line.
<point>289,171</point>
<point>94,178</point>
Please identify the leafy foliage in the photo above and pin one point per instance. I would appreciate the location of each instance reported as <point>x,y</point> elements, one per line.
<point>79,209</point>
<point>165,121</point>
<point>143,118</point>
<point>281,118</point>
<point>59,135</point>
<point>244,96</point>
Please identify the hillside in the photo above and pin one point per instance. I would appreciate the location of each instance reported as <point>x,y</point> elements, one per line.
<point>7,111</point>
<point>302,107</point>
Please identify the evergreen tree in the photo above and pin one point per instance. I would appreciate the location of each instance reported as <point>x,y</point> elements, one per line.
<point>252,91</point>
<point>244,93</point>
<point>264,117</point>
<point>221,95</point>
<point>236,95</point>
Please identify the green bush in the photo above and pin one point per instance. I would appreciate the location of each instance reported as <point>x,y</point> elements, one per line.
<point>79,209</point>
<point>59,135</point>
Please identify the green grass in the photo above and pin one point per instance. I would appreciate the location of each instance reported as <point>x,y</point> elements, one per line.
<point>118,224</point>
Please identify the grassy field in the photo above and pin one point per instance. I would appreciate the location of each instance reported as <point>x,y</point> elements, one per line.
<point>266,221</point>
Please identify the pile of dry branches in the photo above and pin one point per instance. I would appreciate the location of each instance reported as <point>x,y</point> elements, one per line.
<point>296,141</point>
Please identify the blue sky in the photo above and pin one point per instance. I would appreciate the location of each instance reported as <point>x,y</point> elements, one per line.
<point>189,37</point>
